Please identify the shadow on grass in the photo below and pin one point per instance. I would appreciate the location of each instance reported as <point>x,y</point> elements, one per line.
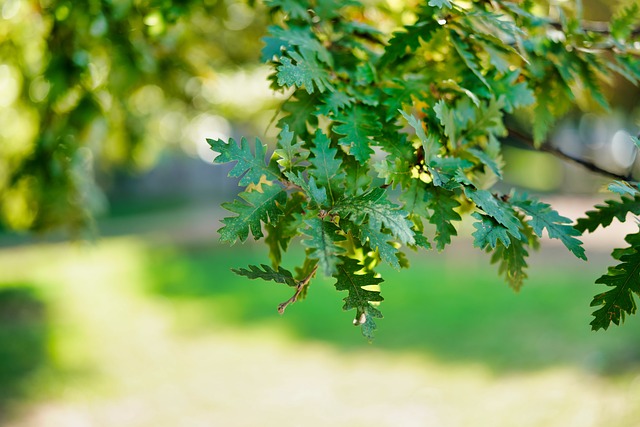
<point>23,341</point>
<point>452,307</point>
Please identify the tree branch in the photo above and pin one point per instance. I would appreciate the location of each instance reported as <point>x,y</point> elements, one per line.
<point>594,27</point>
<point>548,148</point>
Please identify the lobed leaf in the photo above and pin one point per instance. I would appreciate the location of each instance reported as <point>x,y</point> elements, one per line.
<point>557,226</point>
<point>327,167</point>
<point>443,205</point>
<point>360,126</point>
<point>351,278</point>
<point>624,279</point>
<point>604,214</point>
<point>323,243</point>
<point>489,232</point>
<point>379,212</point>
<point>249,166</point>
<point>281,275</point>
<point>257,206</point>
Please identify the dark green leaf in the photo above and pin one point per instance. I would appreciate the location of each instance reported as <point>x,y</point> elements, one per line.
<point>327,166</point>
<point>289,152</point>
<point>360,127</point>
<point>443,205</point>
<point>380,212</point>
<point>301,111</point>
<point>489,232</point>
<point>305,73</point>
<point>557,226</point>
<point>495,208</point>
<point>295,9</point>
<point>267,273</point>
<point>248,166</point>
<point>352,277</point>
<point>512,262</point>
<point>322,242</point>
<point>624,279</point>
<point>604,214</point>
<point>259,205</point>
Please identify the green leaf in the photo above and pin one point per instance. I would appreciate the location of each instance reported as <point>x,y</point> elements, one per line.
<point>329,9</point>
<point>443,205</point>
<point>290,153</point>
<point>440,3</point>
<point>380,212</point>
<point>259,205</point>
<point>304,39</point>
<point>624,21</point>
<point>543,117</point>
<point>623,188</point>
<point>351,278</point>
<point>301,111</point>
<point>280,233</point>
<point>407,41</point>
<point>294,9</point>
<point>515,94</point>
<point>248,166</point>
<point>357,178</point>
<point>495,208</point>
<point>379,241</point>
<point>360,126</point>
<point>304,73</point>
<point>267,273</point>
<point>316,195</point>
<point>326,166</point>
<point>489,232</point>
<point>512,262</point>
<point>334,102</point>
<point>415,197</point>
<point>322,242</point>
<point>468,58</point>
<point>401,93</point>
<point>624,278</point>
<point>429,143</point>
<point>447,118</point>
<point>557,226</point>
<point>604,214</point>
<point>486,160</point>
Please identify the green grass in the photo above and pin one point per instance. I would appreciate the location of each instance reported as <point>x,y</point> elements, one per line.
<point>144,334</point>
<point>455,308</point>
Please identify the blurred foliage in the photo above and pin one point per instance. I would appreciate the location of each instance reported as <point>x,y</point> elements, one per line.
<point>102,83</point>
<point>23,339</point>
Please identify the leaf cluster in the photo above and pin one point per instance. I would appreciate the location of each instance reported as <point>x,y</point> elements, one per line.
<point>387,140</point>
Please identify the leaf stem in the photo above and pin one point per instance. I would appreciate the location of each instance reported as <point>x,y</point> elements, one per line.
<point>299,288</point>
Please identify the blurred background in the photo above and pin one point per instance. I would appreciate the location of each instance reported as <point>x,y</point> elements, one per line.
<point>104,110</point>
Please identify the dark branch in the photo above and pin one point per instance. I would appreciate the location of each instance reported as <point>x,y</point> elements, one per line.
<point>595,27</point>
<point>548,148</point>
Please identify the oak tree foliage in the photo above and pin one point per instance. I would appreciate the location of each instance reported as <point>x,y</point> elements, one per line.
<point>391,134</point>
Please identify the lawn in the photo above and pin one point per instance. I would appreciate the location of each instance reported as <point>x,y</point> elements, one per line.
<point>136,332</point>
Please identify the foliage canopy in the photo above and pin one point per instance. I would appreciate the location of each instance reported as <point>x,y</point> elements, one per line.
<point>392,131</point>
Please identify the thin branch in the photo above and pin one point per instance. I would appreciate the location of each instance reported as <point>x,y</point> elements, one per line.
<point>548,148</point>
<point>594,27</point>
<point>299,288</point>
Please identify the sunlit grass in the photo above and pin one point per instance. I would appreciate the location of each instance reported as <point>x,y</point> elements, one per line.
<point>148,335</point>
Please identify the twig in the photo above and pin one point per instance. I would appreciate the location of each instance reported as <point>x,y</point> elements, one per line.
<point>299,288</point>
<point>548,148</point>
<point>594,27</point>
